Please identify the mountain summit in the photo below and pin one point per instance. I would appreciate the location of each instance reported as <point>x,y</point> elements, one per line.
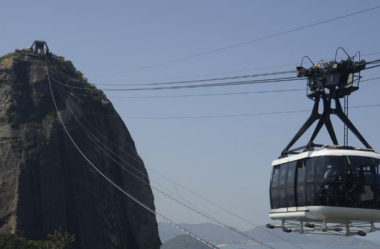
<point>45,183</point>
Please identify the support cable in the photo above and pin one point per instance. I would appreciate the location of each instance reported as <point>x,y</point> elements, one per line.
<point>182,82</point>
<point>170,197</point>
<point>195,76</point>
<point>240,44</point>
<point>190,95</point>
<point>234,83</point>
<point>89,134</point>
<point>114,184</point>
<point>202,80</point>
<point>92,137</point>
<point>225,116</point>
<point>206,80</point>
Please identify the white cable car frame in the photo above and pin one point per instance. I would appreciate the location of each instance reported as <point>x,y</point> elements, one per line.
<point>334,190</point>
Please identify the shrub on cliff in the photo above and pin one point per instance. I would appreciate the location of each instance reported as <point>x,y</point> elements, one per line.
<point>11,241</point>
<point>59,240</point>
<point>9,55</point>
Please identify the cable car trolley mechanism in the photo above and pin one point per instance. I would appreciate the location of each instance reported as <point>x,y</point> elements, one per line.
<point>336,189</point>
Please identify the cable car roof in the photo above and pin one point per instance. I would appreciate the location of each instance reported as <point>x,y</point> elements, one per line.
<point>329,150</point>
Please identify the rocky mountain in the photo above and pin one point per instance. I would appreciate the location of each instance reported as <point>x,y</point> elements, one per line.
<point>45,183</point>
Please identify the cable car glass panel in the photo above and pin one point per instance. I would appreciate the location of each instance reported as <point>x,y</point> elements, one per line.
<point>310,194</point>
<point>310,169</point>
<point>282,203</point>
<point>273,187</point>
<point>329,168</point>
<point>291,175</point>
<point>301,195</point>
<point>290,197</point>
<point>361,173</point>
<point>301,171</point>
<point>344,181</point>
<point>274,199</point>
<point>282,180</point>
<point>275,177</point>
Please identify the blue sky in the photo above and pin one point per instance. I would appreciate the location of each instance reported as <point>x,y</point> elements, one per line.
<point>226,160</point>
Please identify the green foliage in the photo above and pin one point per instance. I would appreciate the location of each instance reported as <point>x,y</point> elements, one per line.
<point>66,67</point>
<point>10,55</point>
<point>59,240</point>
<point>11,241</point>
<point>88,95</point>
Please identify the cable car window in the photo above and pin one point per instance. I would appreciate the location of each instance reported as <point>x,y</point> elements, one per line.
<point>362,169</point>
<point>369,175</point>
<point>378,173</point>
<point>362,161</point>
<point>361,172</point>
<point>340,191</point>
<point>291,174</point>
<point>282,198</point>
<point>321,194</point>
<point>310,169</point>
<point>290,197</point>
<point>310,194</point>
<point>300,195</point>
<point>354,192</point>
<point>283,170</point>
<point>330,168</point>
<point>330,193</point>
<point>274,199</point>
<point>275,174</point>
<point>367,197</point>
<point>353,175</point>
<point>301,170</point>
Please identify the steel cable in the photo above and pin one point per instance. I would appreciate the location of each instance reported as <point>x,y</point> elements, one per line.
<point>114,184</point>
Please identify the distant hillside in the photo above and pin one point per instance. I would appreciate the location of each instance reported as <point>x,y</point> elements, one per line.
<point>183,242</point>
<point>219,235</point>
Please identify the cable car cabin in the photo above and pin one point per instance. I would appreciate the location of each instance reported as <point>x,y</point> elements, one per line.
<point>335,190</point>
<point>326,186</point>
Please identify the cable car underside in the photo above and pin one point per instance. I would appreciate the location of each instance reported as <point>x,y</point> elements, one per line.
<point>334,190</point>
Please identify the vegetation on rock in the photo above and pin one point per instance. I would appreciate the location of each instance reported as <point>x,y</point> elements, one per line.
<point>59,240</point>
<point>9,55</point>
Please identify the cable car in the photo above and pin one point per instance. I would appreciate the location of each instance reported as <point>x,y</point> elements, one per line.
<point>327,189</point>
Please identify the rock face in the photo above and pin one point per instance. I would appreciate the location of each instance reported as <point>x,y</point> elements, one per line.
<point>45,183</point>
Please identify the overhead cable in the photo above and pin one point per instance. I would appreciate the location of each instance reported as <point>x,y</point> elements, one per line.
<point>240,44</point>
<point>270,80</point>
<point>195,76</point>
<point>230,72</point>
<point>221,79</point>
<point>202,80</point>
<point>191,95</point>
<point>182,82</point>
<point>236,115</point>
<point>92,137</point>
<point>114,184</point>
<point>170,197</point>
<point>234,83</point>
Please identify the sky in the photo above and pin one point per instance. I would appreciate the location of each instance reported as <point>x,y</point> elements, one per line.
<point>226,160</point>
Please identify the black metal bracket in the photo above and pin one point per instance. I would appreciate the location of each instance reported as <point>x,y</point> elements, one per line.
<point>324,119</point>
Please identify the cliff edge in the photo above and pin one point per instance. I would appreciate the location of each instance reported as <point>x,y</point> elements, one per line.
<point>45,183</point>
